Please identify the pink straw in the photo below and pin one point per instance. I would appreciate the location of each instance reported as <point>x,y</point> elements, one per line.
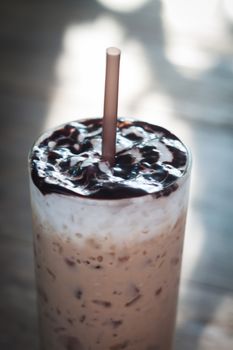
<point>110,104</point>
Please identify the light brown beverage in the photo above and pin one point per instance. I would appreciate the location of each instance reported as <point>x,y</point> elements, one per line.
<point>108,266</point>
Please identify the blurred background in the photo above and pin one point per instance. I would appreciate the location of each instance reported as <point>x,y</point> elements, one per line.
<point>177,71</point>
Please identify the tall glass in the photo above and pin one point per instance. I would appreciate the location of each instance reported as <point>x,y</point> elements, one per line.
<point>108,270</point>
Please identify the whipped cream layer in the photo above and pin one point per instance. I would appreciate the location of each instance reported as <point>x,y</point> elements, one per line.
<point>67,160</point>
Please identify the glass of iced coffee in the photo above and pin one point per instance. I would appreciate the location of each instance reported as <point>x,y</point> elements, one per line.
<point>108,240</point>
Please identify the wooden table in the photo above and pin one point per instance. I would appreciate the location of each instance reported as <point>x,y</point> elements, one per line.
<point>177,68</point>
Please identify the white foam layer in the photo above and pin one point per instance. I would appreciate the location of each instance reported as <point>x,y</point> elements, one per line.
<point>121,220</point>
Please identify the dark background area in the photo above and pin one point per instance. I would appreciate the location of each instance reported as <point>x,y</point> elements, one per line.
<point>177,65</point>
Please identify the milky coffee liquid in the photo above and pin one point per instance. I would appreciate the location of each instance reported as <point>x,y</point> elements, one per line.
<point>108,241</point>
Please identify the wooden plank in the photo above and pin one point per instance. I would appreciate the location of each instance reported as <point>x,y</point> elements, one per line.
<point>18,321</point>
<point>21,122</point>
<point>205,318</point>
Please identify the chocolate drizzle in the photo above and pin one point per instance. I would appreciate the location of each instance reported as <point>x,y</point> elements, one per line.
<point>149,159</point>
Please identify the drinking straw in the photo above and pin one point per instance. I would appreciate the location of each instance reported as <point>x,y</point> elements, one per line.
<point>110,104</point>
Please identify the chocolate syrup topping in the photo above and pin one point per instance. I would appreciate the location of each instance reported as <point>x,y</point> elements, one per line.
<point>149,159</point>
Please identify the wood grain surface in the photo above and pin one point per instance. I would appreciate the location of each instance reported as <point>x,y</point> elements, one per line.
<point>185,78</point>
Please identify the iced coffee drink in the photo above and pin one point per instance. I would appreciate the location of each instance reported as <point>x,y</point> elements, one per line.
<point>108,239</point>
